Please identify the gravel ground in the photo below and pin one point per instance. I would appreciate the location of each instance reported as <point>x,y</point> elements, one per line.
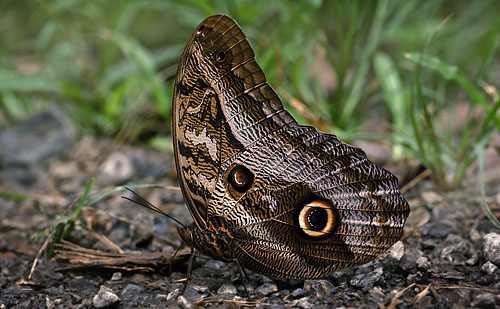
<point>448,257</point>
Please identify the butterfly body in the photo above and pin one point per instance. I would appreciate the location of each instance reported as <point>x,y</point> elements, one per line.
<point>282,199</point>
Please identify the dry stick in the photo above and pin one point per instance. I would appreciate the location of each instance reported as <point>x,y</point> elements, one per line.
<point>463,287</point>
<point>416,180</point>
<point>395,300</point>
<point>37,257</point>
<point>83,258</point>
<point>421,295</point>
<point>244,303</point>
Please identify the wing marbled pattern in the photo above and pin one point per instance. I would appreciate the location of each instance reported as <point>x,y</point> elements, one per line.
<point>226,116</point>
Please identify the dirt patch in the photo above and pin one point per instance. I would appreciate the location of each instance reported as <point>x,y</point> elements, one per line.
<point>448,256</point>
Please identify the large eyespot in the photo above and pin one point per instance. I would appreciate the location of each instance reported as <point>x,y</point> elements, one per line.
<point>221,56</point>
<point>317,219</point>
<point>240,178</point>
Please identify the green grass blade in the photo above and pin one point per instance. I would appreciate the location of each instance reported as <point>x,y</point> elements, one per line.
<point>449,72</point>
<point>15,197</point>
<point>480,159</point>
<point>393,92</point>
<point>364,64</point>
<point>66,224</point>
<point>13,81</point>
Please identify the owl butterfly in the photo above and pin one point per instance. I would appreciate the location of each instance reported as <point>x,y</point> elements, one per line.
<point>281,199</point>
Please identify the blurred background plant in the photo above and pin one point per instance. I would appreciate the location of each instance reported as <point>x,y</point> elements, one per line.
<point>421,74</point>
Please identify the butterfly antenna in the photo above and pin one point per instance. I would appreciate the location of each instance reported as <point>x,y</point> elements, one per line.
<point>144,203</point>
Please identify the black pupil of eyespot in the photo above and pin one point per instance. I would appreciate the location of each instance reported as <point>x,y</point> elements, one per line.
<point>241,178</point>
<point>201,28</point>
<point>221,56</point>
<point>317,218</point>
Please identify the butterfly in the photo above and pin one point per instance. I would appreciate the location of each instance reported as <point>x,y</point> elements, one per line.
<point>279,198</point>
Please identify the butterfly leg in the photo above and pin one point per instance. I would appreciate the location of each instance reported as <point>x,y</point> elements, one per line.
<point>243,276</point>
<point>172,260</point>
<point>189,271</point>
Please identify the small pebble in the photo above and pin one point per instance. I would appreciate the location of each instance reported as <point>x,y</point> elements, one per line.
<point>298,293</point>
<point>423,263</point>
<point>319,288</point>
<point>116,276</point>
<point>266,289</point>
<point>304,303</point>
<point>489,268</point>
<point>227,289</point>
<point>173,294</point>
<point>117,169</point>
<point>105,297</point>
<point>368,279</point>
<point>132,288</point>
<point>491,247</point>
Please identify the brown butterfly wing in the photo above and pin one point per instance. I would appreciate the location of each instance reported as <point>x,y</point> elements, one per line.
<point>227,117</point>
<point>290,169</point>
<point>219,107</point>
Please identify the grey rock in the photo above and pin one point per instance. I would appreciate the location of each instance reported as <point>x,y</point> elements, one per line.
<point>116,169</point>
<point>105,297</point>
<point>393,256</point>
<point>37,138</point>
<point>227,289</point>
<point>491,247</point>
<point>484,300</point>
<point>80,285</point>
<point>173,295</point>
<point>116,276</point>
<point>367,280</point>
<point>474,234</point>
<point>489,268</point>
<point>438,229</point>
<point>457,252</point>
<point>304,303</point>
<point>473,259</point>
<point>342,275</point>
<point>131,289</point>
<point>196,292</point>
<point>396,251</point>
<point>266,289</point>
<point>298,293</point>
<point>283,293</point>
<point>319,288</point>
<point>375,296</point>
<point>423,263</point>
<point>409,260</point>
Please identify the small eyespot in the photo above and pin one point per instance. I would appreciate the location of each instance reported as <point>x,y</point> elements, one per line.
<point>240,178</point>
<point>221,56</point>
<point>202,27</point>
<point>317,219</point>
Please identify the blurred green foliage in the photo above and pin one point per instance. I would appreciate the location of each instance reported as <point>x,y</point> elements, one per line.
<point>111,64</point>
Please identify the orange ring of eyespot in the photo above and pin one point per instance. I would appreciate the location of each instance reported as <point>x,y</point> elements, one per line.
<point>330,222</point>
